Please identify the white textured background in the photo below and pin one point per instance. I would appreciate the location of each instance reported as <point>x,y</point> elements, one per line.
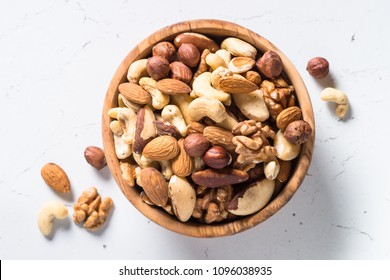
<point>57,59</point>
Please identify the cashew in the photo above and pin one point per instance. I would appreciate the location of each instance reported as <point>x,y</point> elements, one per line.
<point>166,169</point>
<point>214,61</point>
<point>182,196</point>
<point>122,149</point>
<point>225,55</point>
<point>228,123</point>
<point>144,162</point>
<point>159,100</point>
<point>116,128</point>
<point>137,70</point>
<point>124,102</point>
<point>173,115</point>
<point>339,97</point>
<point>48,212</point>
<point>238,47</point>
<point>284,149</point>
<point>202,87</point>
<point>182,101</point>
<point>207,107</point>
<point>127,118</point>
<point>252,105</point>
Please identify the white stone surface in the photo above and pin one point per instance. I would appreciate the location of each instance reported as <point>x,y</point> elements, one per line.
<point>56,61</point>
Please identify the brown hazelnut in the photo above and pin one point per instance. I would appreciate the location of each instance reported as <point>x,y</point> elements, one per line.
<point>180,71</point>
<point>157,67</point>
<point>188,54</point>
<point>270,64</point>
<point>217,157</point>
<point>253,77</point>
<point>318,67</point>
<point>298,132</point>
<point>166,50</point>
<point>95,157</point>
<point>196,144</point>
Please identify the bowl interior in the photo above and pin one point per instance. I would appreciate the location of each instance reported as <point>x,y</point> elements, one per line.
<point>215,29</point>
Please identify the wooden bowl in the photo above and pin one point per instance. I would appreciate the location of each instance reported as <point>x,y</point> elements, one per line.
<point>214,29</point>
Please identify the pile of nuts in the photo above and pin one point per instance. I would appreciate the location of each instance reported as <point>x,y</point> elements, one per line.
<point>207,131</point>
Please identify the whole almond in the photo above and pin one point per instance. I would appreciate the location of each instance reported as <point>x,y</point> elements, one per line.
<point>161,148</point>
<point>238,85</point>
<point>201,41</point>
<point>55,177</point>
<point>134,93</point>
<point>287,116</point>
<point>95,157</point>
<point>182,164</point>
<point>219,136</point>
<point>173,87</point>
<point>154,185</point>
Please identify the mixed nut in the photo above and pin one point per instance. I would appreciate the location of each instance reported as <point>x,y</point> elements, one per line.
<point>207,131</point>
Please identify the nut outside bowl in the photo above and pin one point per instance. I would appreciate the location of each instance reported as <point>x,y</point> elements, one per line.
<point>214,29</point>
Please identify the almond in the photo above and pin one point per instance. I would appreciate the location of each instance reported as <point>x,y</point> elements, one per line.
<point>173,87</point>
<point>219,137</point>
<point>154,185</point>
<point>162,148</point>
<point>55,177</point>
<point>182,164</point>
<point>287,116</point>
<point>134,93</point>
<point>234,84</point>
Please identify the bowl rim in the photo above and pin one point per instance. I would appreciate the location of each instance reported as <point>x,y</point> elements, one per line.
<point>212,28</point>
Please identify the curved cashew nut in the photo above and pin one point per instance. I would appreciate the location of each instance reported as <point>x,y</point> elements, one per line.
<point>127,118</point>
<point>214,61</point>
<point>339,97</point>
<point>207,107</point>
<point>159,100</point>
<point>122,149</point>
<point>48,212</point>
<point>116,128</point>
<point>124,102</point>
<point>166,169</point>
<point>238,47</point>
<point>137,70</point>
<point>173,115</point>
<point>202,87</point>
<point>225,55</point>
<point>144,162</point>
<point>228,123</point>
<point>182,101</point>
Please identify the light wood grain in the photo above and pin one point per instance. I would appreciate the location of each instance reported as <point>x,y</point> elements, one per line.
<point>216,29</point>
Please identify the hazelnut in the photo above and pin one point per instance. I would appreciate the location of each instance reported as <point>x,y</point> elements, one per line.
<point>189,55</point>
<point>95,157</point>
<point>217,157</point>
<point>157,67</point>
<point>270,64</point>
<point>318,67</point>
<point>196,144</point>
<point>180,71</point>
<point>166,50</point>
<point>298,132</point>
<point>253,77</point>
